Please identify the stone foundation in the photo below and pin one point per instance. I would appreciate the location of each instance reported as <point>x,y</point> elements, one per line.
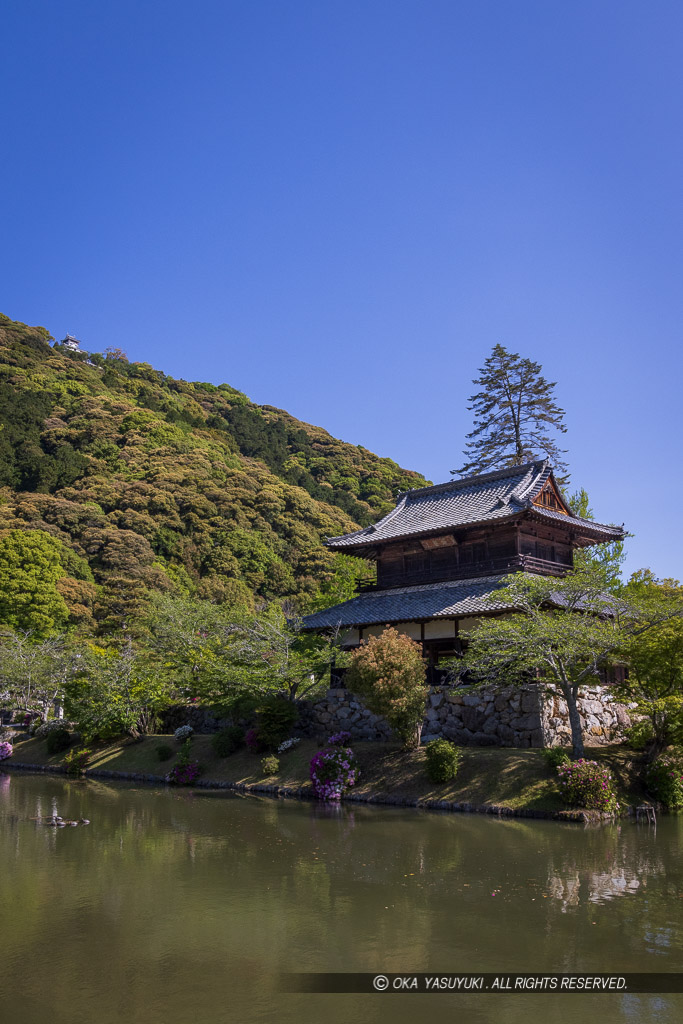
<point>512,716</point>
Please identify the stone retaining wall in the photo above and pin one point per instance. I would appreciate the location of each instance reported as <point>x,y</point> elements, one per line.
<point>507,716</point>
<point>530,716</point>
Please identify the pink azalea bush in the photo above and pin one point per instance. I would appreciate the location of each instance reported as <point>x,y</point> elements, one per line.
<point>5,750</point>
<point>585,784</point>
<point>332,770</point>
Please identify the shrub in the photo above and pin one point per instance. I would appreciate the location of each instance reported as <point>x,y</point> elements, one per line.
<point>227,741</point>
<point>242,705</point>
<point>76,761</point>
<point>5,750</point>
<point>183,774</point>
<point>253,741</point>
<point>585,784</point>
<point>58,740</point>
<point>270,765</point>
<point>555,756</point>
<point>164,751</point>
<point>184,771</point>
<point>664,778</point>
<point>183,733</point>
<point>277,716</point>
<point>388,673</point>
<point>340,739</point>
<point>640,735</point>
<point>43,729</point>
<point>289,744</point>
<point>332,770</point>
<point>443,760</point>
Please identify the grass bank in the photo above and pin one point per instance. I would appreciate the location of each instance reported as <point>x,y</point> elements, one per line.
<point>490,776</point>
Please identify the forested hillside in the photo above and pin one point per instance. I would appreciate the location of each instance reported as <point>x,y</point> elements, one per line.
<point>148,483</point>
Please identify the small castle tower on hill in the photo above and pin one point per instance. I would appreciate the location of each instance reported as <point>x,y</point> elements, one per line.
<point>71,343</point>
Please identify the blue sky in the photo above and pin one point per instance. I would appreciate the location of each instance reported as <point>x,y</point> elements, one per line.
<point>340,207</point>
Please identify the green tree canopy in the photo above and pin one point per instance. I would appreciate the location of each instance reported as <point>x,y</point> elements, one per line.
<point>655,680</point>
<point>561,630</point>
<point>30,568</point>
<point>388,673</point>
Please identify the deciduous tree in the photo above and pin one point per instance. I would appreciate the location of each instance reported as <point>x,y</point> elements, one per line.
<point>388,673</point>
<point>564,631</point>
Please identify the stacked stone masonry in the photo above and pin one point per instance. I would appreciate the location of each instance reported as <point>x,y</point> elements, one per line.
<point>532,716</point>
<point>508,716</point>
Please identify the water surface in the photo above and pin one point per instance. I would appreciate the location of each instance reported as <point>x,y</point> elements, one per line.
<point>174,907</point>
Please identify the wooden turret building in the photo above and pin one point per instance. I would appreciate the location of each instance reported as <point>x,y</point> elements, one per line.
<point>444,550</point>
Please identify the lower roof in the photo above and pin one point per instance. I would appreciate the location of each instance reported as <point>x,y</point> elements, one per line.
<point>408,604</point>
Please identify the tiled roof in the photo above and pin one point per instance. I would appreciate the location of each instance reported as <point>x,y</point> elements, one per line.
<point>476,499</point>
<point>405,604</point>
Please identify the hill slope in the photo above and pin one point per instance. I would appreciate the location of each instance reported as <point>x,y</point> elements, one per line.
<point>150,483</point>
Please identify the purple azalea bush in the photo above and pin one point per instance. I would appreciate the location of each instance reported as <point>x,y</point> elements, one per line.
<point>5,750</point>
<point>183,774</point>
<point>332,770</point>
<point>339,739</point>
<point>585,784</point>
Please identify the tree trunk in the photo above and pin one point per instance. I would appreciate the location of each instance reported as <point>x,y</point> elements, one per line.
<point>574,721</point>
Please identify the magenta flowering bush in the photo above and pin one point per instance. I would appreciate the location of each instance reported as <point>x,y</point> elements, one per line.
<point>585,784</point>
<point>252,741</point>
<point>5,750</point>
<point>665,780</point>
<point>332,770</point>
<point>184,771</point>
<point>339,739</point>
<point>184,774</point>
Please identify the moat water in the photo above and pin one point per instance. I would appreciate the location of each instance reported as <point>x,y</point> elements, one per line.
<point>176,907</point>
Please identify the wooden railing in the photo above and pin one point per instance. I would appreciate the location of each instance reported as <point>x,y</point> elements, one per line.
<point>487,567</point>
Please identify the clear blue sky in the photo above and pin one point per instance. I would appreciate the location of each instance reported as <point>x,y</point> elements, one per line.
<point>340,207</point>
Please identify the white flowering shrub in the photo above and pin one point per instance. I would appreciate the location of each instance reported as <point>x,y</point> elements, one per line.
<point>289,744</point>
<point>183,733</point>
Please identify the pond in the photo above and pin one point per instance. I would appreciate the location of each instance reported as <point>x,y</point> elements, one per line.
<point>178,907</point>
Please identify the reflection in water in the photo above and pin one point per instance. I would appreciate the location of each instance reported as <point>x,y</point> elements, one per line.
<point>177,907</point>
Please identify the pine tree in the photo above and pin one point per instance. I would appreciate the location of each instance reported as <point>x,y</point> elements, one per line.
<point>512,416</point>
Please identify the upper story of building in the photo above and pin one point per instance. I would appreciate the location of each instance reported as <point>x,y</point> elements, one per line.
<point>491,524</point>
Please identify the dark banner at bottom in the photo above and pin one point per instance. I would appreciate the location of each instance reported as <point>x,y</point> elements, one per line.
<point>474,983</point>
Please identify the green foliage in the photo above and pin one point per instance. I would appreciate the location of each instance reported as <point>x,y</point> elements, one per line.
<point>512,415</point>
<point>587,784</point>
<point>605,558</point>
<point>388,673</point>
<point>270,765</point>
<point>115,691</point>
<point>164,751</point>
<point>165,486</point>
<point>276,719</point>
<point>655,657</point>
<point>566,630</point>
<point>58,740</point>
<point>664,778</point>
<point>34,672</point>
<point>76,761</point>
<point>30,569</point>
<point>640,735</point>
<point>555,756</point>
<point>443,760</point>
<point>227,741</point>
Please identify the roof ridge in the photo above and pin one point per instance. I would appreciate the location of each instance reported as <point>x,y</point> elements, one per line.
<point>475,479</point>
